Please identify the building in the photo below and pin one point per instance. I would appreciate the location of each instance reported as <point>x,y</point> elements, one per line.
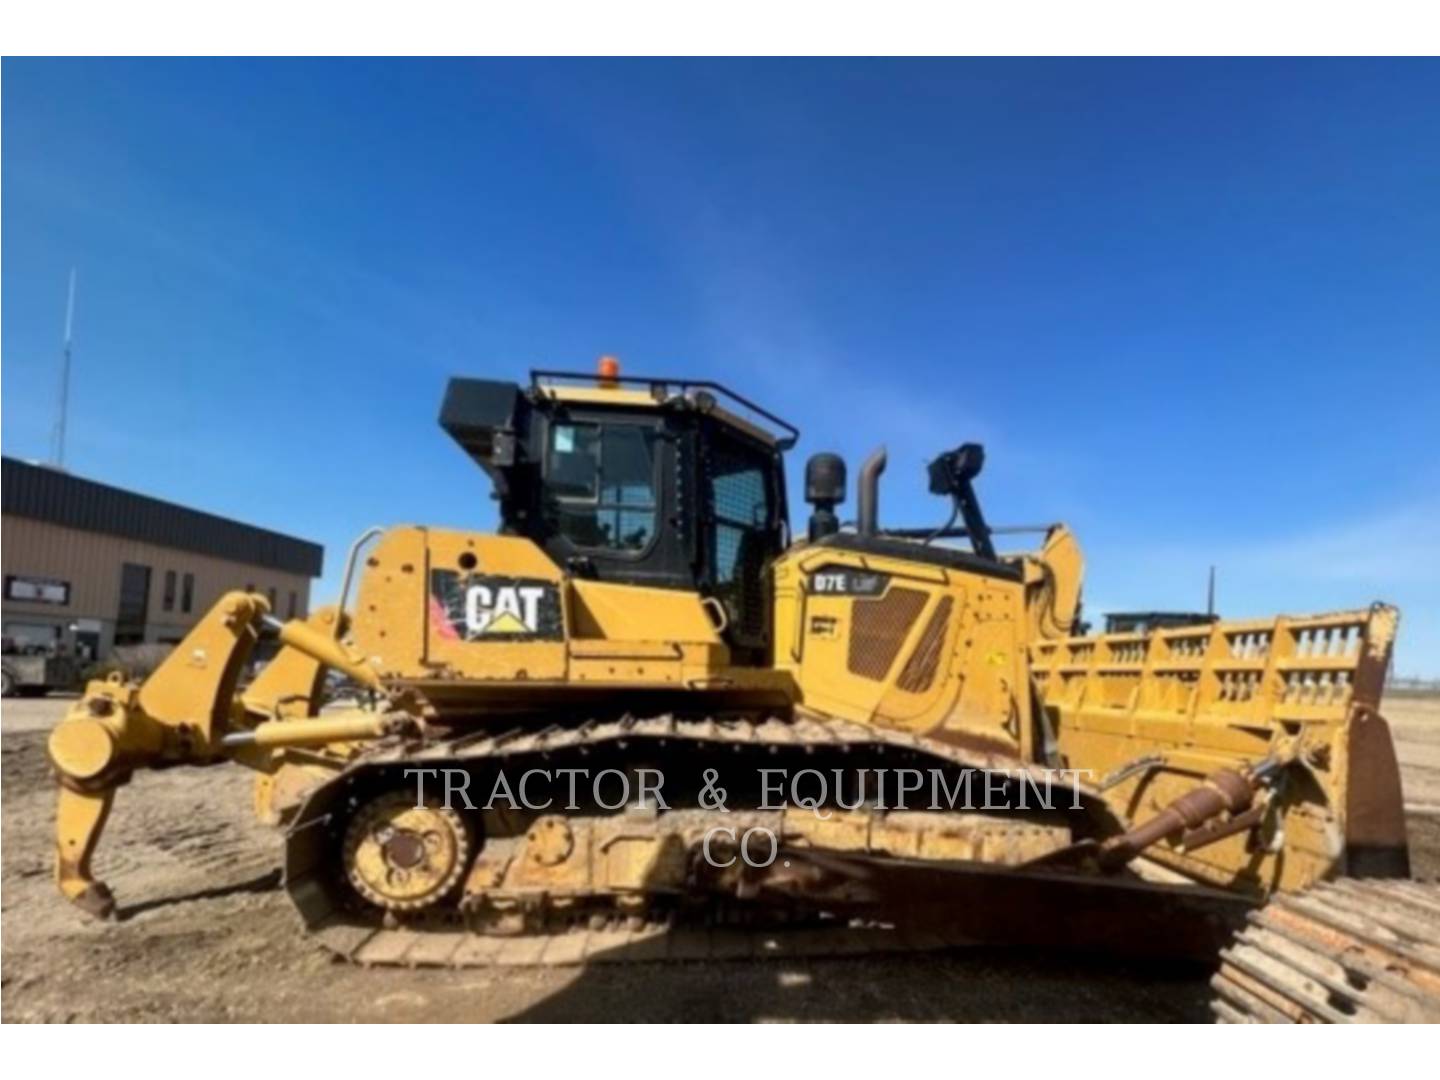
<point>95,566</point>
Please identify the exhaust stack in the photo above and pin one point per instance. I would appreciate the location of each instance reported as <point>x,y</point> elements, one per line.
<point>868,515</point>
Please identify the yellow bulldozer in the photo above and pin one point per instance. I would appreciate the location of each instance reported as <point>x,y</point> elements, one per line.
<point>643,720</point>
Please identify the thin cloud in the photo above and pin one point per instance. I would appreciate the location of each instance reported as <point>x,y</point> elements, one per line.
<point>1389,555</point>
<point>1395,547</point>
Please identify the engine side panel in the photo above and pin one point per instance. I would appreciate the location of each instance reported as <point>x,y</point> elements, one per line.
<point>902,644</point>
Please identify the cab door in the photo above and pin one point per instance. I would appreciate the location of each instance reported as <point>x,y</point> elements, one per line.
<point>611,501</point>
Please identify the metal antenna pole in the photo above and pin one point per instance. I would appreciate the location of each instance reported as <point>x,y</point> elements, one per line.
<point>1210,598</point>
<point>58,450</point>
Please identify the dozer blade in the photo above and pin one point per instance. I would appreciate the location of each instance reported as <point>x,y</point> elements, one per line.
<point>1150,714</point>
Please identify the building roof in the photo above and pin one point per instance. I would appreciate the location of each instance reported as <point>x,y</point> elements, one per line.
<point>33,491</point>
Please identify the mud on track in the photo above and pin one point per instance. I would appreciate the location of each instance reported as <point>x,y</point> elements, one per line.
<point>206,934</point>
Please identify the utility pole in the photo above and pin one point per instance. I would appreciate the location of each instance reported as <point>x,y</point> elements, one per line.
<point>57,449</point>
<point>1210,595</point>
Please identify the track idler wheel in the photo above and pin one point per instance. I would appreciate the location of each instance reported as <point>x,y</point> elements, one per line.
<point>404,857</point>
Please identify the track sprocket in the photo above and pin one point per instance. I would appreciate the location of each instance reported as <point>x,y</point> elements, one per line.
<point>401,856</point>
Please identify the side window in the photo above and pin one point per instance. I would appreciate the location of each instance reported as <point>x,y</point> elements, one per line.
<point>573,470</point>
<point>187,593</point>
<point>600,479</point>
<point>168,601</point>
<point>743,538</point>
<point>742,508</point>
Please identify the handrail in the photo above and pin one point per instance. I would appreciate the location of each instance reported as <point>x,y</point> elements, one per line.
<point>791,437</point>
<point>368,535</point>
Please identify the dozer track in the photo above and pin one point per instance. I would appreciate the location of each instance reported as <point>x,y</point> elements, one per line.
<point>437,942</point>
<point>1344,952</point>
<point>446,934</point>
<point>1106,917</point>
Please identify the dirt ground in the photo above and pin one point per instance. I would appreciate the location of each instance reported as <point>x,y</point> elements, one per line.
<point>206,934</point>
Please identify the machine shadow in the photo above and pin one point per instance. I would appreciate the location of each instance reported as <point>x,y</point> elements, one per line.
<point>953,985</point>
<point>266,882</point>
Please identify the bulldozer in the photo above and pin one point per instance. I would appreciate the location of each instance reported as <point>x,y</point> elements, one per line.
<point>642,720</point>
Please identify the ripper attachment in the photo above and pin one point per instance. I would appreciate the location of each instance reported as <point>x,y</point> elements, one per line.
<point>188,713</point>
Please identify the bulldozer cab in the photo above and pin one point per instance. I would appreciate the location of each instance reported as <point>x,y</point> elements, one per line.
<point>657,482</point>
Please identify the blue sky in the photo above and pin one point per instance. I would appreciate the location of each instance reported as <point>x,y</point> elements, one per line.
<point>1192,308</point>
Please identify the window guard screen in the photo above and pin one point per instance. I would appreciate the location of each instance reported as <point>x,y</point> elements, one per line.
<point>742,508</point>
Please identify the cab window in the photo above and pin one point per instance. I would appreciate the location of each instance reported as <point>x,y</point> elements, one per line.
<point>600,482</point>
<point>742,536</point>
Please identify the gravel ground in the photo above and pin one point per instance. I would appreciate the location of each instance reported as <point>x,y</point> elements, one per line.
<point>206,934</point>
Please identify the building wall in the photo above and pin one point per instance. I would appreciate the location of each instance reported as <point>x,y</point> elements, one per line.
<point>91,563</point>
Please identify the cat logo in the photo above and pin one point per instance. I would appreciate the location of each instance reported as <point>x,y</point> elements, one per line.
<point>489,607</point>
<point>503,609</point>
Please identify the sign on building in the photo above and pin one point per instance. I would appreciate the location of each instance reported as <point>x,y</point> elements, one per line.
<point>37,590</point>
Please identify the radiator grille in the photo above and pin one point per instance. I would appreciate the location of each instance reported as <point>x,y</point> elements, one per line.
<point>878,630</point>
<point>919,671</point>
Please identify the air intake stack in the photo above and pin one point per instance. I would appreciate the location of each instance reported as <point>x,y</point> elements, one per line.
<point>824,490</point>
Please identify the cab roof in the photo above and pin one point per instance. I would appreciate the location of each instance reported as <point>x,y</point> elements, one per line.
<point>643,391</point>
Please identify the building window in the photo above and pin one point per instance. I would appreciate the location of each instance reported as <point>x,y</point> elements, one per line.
<point>168,600</point>
<point>29,638</point>
<point>36,590</point>
<point>293,605</point>
<point>187,594</point>
<point>134,610</point>
<point>270,595</point>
